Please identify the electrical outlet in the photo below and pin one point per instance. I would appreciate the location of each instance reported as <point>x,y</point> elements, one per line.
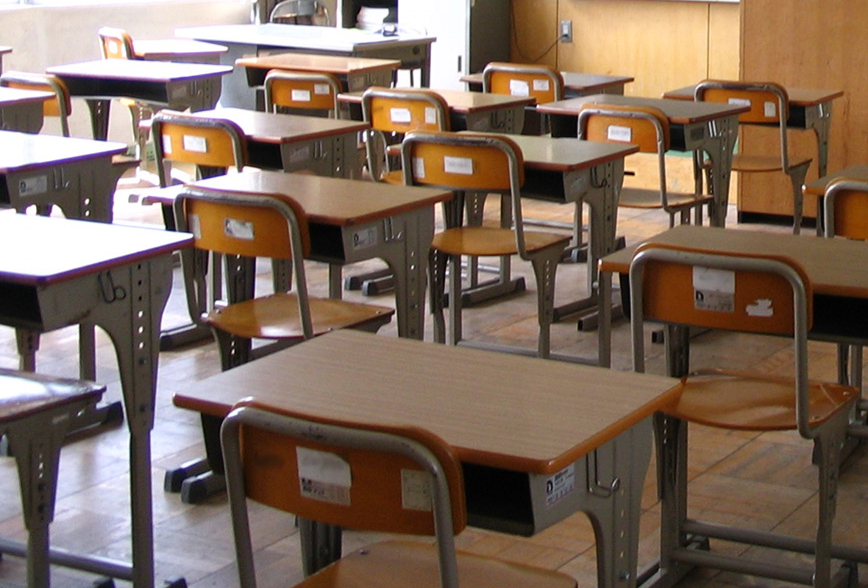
<point>566,35</point>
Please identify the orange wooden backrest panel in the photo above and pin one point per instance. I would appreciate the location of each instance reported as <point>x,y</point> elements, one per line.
<point>200,145</point>
<point>851,214</point>
<point>375,498</point>
<point>761,303</point>
<point>464,167</point>
<point>617,126</point>
<point>420,111</point>
<point>116,43</point>
<point>252,231</point>
<point>49,107</point>
<point>543,84</point>
<point>764,104</point>
<point>304,92</point>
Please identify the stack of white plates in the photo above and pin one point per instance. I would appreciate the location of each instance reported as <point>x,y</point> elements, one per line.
<point>371,19</point>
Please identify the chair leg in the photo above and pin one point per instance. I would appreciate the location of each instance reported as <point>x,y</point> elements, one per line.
<point>797,179</point>
<point>828,449</point>
<point>545,268</point>
<point>437,261</point>
<point>455,334</point>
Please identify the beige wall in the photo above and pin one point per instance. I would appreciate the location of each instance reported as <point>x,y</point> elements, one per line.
<point>42,36</point>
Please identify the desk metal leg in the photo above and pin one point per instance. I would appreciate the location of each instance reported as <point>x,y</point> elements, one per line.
<point>320,545</point>
<point>99,117</point>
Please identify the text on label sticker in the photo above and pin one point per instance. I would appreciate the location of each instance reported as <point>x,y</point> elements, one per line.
<point>415,490</point>
<point>238,229</point>
<point>323,476</point>
<point>194,226</point>
<point>33,186</point>
<point>364,238</point>
<point>761,307</point>
<point>195,143</point>
<point>400,115</point>
<point>519,88</point>
<point>739,101</point>
<point>430,115</point>
<point>167,144</point>
<point>419,168</point>
<point>322,89</point>
<point>713,289</point>
<point>300,154</point>
<point>300,95</point>
<point>770,109</point>
<point>458,165</point>
<point>561,484</point>
<point>619,133</point>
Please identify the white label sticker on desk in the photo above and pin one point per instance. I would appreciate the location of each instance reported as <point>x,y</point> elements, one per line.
<point>713,289</point>
<point>322,89</point>
<point>738,101</point>
<point>238,229</point>
<point>323,476</point>
<point>33,186</point>
<point>519,88</point>
<point>770,109</point>
<point>561,484</point>
<point>619,133</point>
<point>364,239</point>
<point>400,115</point>
<point>415,490</point>
<point>300,95</point>
<point>195,144</point>
<point>458,165</point>
<point>300,154</point>
<point>541,85</point>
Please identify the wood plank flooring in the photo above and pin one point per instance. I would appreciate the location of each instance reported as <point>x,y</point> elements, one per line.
<point>763,480</point>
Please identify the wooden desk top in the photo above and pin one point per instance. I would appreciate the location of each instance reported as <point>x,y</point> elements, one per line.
<point>818,186</point>
<point>4,49</point>
<point>22,395</point>
<point>9,96</point>
<point>496,409</point>
<point>166,49</point>
<point>299,36</point>
<point>798,96</point>
<point>266,127</point>
<point>678,111</point>
<point>460,101</point>
<point>57,249</point>
<point>138,70</point>
<point>575,81</point>
<point>333,64</point>
<point>828,263</point>
<point>331,201</point>
<point>567,154</point>
<point>24,151</point>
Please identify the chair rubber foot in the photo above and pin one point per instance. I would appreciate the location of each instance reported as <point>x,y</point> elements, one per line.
<point>175,583</point>
<point>174,479</point>
<point>199,488</point>
<point>103,583</point>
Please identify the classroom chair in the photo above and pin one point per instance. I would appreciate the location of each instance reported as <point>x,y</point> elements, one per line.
<point>480,164</point>
<point>393,113</point>
<point>648,128</point>
<point>543,83</point>
<point>756,294</point>
<point>240,229</point>
<point>304,12</point>
<point>305,93</point>
<point>385,478</point>
<point>770,107</point>
<point>36,413</point>
<point>117,43</point>
<point>845,215</point>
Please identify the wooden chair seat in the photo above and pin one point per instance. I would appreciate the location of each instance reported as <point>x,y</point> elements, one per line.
<point>404,563</point>
<point>276,317</point>
<point>394,177</point>
<point>734,400</point>
<point>492,241</point>
<point>762,163</point>
<point>650,199</point>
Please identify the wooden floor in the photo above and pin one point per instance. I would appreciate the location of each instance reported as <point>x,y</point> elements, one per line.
<point>762,480</point>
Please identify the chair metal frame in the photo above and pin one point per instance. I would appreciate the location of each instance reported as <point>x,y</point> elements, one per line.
<point>544,254</point>
<point>758,115</point>
<point>679,552</point>
<point>302,91</point>
<point>840,198</point>
<point>60,106</point>
<point>636,117</point>
<point>311,9</point>
<point>379,458</point>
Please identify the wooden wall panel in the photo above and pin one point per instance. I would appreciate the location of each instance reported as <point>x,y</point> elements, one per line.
<point>809,43</point>
<point>724,41</point>
<point>664,45</point>
<point>535,31</point>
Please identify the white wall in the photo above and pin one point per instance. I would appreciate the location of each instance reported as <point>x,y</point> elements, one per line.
<point>42,36</point>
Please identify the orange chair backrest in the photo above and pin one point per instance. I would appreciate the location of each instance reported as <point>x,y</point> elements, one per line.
<point>301,91</point>
<point>116,43</point>
<point>199,140</point>
<point>768,101</point>
<point>540,82</point>
<point>849,208</point>
<point>405,110</point>
<point>644,126</point>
